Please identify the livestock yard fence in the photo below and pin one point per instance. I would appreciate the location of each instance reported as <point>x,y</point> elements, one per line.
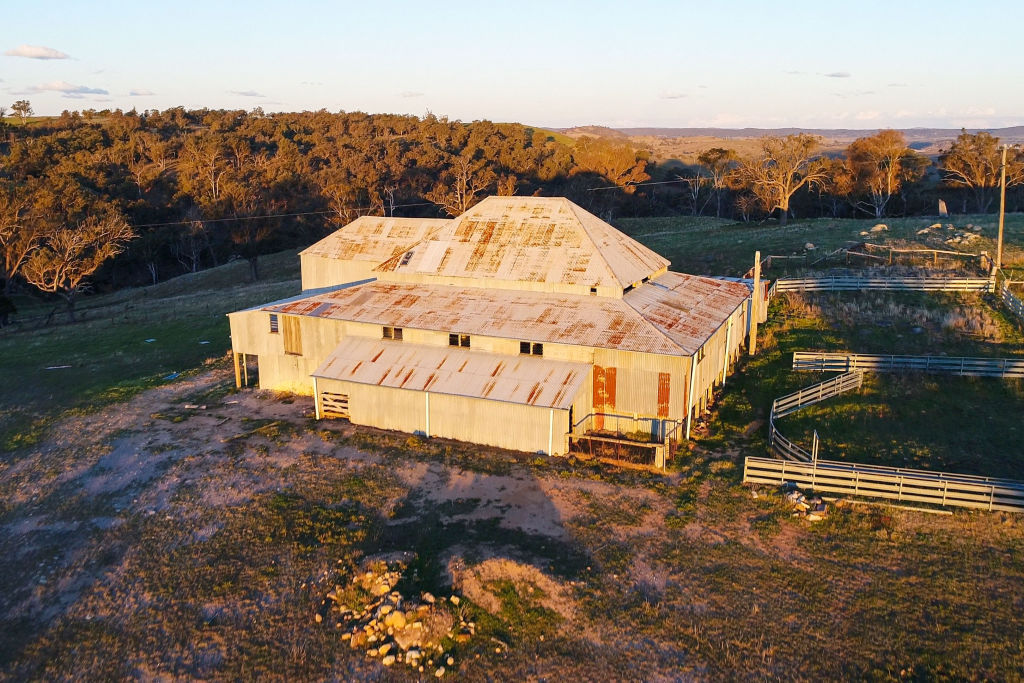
<point>1012,302</point>
<point>854,283</point>
<point>893,483</point>
<point>791,403</point>
<point>796,465</point>
<point>812,361</point>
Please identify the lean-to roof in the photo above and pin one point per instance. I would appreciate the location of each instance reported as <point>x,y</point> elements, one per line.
<point>687,308</point>
<point>527,380</point>
<point>530,239</point>
<point>373,238</point>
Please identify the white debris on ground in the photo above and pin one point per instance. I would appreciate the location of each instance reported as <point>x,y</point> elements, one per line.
<point>376,618</point>
<point>812,509</point>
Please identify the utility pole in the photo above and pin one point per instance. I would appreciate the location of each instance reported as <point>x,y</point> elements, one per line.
<point>1002,211</point>
<point>755,305</point>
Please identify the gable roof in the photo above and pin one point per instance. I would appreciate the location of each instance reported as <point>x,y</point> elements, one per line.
<point>526,380</point>
<point>374,238</point>
<point>530,239</point>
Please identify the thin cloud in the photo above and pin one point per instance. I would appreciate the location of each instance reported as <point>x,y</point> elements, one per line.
<point>838,74</point>
<point>314,83</point>
<point>793,72</point>
<point>36,52</point>
<point>140,92</point>
<point>411,93</point>
<point>69,90</point>
<point>247,93</point>
<point>672,96</point>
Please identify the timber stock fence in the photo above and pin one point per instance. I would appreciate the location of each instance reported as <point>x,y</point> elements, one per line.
<point>892,483</point>
<point>812,361</point>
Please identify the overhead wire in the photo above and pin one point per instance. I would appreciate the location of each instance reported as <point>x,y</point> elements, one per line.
<point>275,215</point>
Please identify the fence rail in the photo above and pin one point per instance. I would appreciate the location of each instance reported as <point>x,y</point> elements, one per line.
<point>1012,302</point>
<point>851,283</point>
<point>921,486</point>
<point>810,361</point>
<point>791,403</point>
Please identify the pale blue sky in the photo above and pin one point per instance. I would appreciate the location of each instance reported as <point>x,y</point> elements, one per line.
<point>640,63</point>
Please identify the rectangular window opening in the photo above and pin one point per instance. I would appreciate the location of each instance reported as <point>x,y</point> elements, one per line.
<point>393,333</point>
<point>274,324</point>
<point>524,348</point>
<point>593,290</point>
<point>458,340</point>
<point>538,349</point>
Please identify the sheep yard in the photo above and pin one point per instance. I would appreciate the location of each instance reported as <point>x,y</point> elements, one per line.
<point>171,527</point>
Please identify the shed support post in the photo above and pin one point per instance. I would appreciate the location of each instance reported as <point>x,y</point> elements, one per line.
<point>689,394</point>
<point>728,346</point>
<point>551,430</point>
<point>245,370</point>
<point>316,399</point>
<point>755,304</point>
<point>238,371</point>
<point>426,395</point>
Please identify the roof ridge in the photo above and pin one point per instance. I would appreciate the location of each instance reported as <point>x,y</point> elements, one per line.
<point>583,220</point>
<point>657,329</point>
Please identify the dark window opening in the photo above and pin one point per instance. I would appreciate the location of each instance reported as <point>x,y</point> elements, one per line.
<point>274,325</point>
<point>406,257</point>
<point>593,290</point>
<point>393,333</point>
<point>528,349</point>
<point>458,340</point>
<point>700,354</point>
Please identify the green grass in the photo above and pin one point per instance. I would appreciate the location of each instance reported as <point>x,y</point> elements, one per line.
<point>107,350</point>
<point>711,246</point>
<point>967,425</point>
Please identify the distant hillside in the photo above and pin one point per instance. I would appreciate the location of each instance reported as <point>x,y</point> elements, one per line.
<point>683,145</point>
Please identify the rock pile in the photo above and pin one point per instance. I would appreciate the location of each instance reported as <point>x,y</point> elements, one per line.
<point>379,620</point>
<point>812,509</point>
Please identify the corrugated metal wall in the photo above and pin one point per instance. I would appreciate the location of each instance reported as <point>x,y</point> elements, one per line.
<point>492,423</point>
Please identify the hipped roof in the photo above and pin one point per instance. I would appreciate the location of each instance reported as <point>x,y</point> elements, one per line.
<point>672,315</point>
<point>529,239</point>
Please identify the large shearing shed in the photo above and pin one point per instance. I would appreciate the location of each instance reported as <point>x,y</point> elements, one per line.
<point>525,323</point>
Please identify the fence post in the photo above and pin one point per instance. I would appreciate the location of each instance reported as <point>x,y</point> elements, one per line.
<point>755,308</point>
<point>814,448</point>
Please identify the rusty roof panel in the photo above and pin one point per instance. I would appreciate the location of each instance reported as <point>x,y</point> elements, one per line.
<point>687,308</point>
<point>580,320</point>
<point>530,239</point>
<point>527,380</point>
<point>374,238</point>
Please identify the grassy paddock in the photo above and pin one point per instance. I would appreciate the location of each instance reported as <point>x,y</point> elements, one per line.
<point>107,350</point>
<point>711,246</point>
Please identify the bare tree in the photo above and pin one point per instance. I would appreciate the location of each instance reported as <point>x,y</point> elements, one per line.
<point>461,182</point>
<point>20,234</point>
<point>72,254</point>
<point>784,166</point>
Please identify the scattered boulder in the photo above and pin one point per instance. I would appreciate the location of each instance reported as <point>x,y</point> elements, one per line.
<point>810,246</point>
<point>880,227</point>
<point>382,622</point>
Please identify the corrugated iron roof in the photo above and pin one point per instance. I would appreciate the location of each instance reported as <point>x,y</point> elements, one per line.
<point>530,239</point>
<point>687,308</point>
<point>374,238</point>
<point>581,320</point>
<point>527,380</point>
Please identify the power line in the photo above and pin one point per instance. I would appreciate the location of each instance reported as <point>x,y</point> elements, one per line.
<point>274,215</point>
<point>620,187</point>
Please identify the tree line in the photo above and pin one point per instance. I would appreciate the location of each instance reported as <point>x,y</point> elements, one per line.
<point>122,198</point>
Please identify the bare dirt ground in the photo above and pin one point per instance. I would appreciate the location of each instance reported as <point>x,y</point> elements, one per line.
<point>193,531</point>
